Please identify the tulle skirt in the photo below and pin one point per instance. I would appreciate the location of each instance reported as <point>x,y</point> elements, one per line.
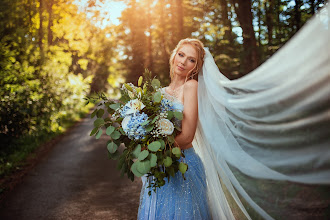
<point>178,198</point>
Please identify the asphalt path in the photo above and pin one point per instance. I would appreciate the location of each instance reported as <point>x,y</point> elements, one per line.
<point>76,180</point>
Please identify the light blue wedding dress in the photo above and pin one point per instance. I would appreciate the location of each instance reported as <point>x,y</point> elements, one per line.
<point>178,198</point>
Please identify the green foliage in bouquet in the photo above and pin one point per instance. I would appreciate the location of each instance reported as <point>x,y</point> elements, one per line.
<point>145,124</point>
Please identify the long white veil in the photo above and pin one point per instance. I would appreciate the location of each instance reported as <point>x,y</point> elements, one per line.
<point>265,138</point>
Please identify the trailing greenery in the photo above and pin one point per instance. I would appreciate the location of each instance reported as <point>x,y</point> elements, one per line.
<point>146,122</point>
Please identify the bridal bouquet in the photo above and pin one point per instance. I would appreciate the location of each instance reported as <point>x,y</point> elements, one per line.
<point>144,124</point>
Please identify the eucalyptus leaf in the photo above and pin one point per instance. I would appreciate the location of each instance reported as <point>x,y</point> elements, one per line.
<point>169,115</point>
<point>176,151</point>
<point>170,139</point>
<point>155,83</point>
<point>100,113</point>
<point>154,146</point>
<point>154,120</point>
<point>162,143</point>
<point>121,130</point>
<point>137,151</point>
<point>143,166</point>
<point>112,147</point>
<point>183,167</point>
<point>94,113</point>
<point>145,122</point>
<point>114,156</point>
<point>168,161</point>
<point>98,135</point>
<point>178,115</point>
<point>115,135</point>
<point>143,155</point>
<point>153,160</point>
<point>157,97</point>
<point>109,130</point>
<point>94,131</point>
<point>171,171</point>
<point>134,169</point>
<point>98,122</point>
<point>149,127</point>
<point>114,106</point>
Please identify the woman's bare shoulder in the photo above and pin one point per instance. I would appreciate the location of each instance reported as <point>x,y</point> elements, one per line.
<point>191,84</point>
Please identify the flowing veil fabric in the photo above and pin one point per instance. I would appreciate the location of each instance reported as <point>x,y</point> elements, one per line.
<point>264,139</point>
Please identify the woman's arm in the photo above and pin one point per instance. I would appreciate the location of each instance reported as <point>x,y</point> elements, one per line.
<point>190,115</point>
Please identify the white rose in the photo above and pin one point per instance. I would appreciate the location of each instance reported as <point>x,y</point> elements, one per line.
<point>134,106</point>
<point>165,126</point>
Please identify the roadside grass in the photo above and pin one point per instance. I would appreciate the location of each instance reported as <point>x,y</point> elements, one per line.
<point>16,156</point>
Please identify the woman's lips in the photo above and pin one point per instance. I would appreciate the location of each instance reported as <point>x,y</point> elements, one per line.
<point>180,68</point>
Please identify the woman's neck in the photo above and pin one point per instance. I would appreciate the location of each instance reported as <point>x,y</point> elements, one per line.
<point>177,82</point>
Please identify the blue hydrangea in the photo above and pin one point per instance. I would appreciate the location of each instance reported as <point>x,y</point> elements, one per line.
<point>166,105</point>
<point>134,129</point>
<point>123,111</point>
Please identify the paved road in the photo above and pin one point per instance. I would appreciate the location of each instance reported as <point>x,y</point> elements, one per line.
<point>76,180</point>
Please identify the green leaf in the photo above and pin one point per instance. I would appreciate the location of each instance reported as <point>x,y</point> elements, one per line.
<point>157,97</point>
<point>176,151</point>
<point>128,87</point>
<point>178,115</point>
<point>149,127</point>
<point>112,147</point>
<point>169,115</point>
<point>170,139</point>
<point>114,156</point>
<point>98,122</point>
<point>115,135</point>
<point>94,113</point>
<point>143,155</point>
<point>153,160</point>
<point>100,113</point>
<point>170,170</point>
<point>140,81</point>
<point>143,166</point>
<point>114,106</point>
<point>154,146</point>
<point>137,151</point>
<point>94,131</point>
<point>109,130</point>
<point>121,130</point>
<point>183,167</point>
<point>99,134</point>
<point>154,120</point>
<point>134,169</point>
<point>162,142</point>
<point>168,161</point>
<point>155,83</point>
<point>145,122</point>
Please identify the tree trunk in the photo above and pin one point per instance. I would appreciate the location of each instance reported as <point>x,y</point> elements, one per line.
<point>50,22</point>
<point>250,58</point>
<point>269,20</point>
<point>297,14</point>
<point>312,5</point>
<point>179,11</point>
<point>149,18</point>
<point>226,21</point>
<point>41,30</point>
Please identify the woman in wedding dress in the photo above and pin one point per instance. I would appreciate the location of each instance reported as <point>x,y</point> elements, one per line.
<point>260,147</point>
<point>179,198</point>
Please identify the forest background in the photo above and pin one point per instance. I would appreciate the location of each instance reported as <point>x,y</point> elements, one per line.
<point>55,52</point>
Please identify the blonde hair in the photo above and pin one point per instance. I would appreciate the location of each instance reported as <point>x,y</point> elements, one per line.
<point>199,47</point>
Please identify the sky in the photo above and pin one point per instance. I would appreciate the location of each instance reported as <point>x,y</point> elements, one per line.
<point>110,11</point>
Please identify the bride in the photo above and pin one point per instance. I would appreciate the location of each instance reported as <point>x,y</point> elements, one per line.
<point>256,147</point>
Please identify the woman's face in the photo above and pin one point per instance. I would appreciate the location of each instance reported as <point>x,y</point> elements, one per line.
<point>185,60</point>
